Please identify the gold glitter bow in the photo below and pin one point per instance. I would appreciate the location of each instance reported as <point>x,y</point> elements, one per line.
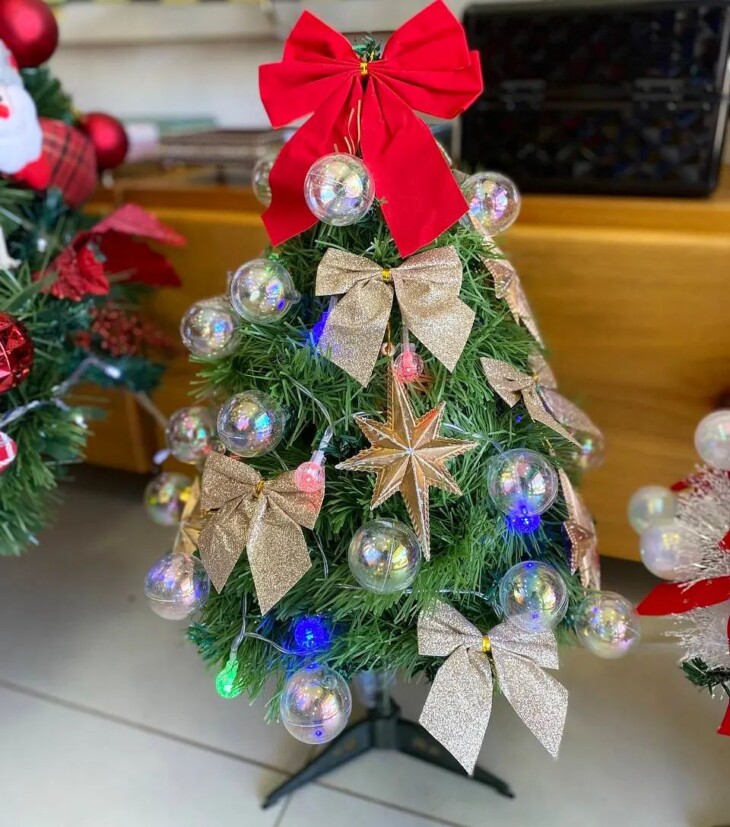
<point>507,286</point>
<point>459,704</point>
<point>191,522</point>
<point>511,384</point>
<point>265,517</point>
<point>567,414</point>
<point>427,287</point>
<point>581,533</point>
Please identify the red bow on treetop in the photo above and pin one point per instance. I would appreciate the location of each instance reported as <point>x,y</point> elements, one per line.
<point>368,104</point>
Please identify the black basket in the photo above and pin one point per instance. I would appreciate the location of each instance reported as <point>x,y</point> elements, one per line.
<point>605,99</point>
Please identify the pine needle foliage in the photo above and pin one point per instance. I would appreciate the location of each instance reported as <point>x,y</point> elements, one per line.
<point>471,546</point>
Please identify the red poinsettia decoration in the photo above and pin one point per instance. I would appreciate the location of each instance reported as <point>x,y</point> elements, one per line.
<point>111,248</point>
<point>119,331</point>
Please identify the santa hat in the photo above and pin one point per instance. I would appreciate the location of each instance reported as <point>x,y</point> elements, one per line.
<point>9,74</point>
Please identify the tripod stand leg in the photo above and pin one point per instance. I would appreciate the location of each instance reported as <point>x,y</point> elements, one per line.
<point>354,741</point>
<point>413,740</point>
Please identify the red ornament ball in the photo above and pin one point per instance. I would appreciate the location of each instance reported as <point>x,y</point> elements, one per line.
<point>108,137</point>
<point>29,29</point>
<point>16,352</point>
<point>309,477</point>
<point>8,451</point>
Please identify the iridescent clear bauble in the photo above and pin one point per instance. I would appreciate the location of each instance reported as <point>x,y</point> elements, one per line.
<point>651,504</point>
<point>208,328</point>
<point>592,451</point>
<point>521,482</point>
<point>384,556</point>
<point>339,189</point>
<point>260,178</point>
<point>176,586</point>
<point>165,497</point>
<point>190,433</point>
<point>606,623</point>
<point>251,424</point>
<point>315,704</point>
<point>671,550</point>
<point>494,202</point>
<point>712,439</point>
<point>534,595</point>
<point>262,291</point>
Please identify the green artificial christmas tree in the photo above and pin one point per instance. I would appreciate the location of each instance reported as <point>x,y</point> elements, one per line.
<point>69,286</point>
<point>391,490</point>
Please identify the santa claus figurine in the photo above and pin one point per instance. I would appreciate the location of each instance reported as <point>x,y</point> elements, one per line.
<point>21,138</point>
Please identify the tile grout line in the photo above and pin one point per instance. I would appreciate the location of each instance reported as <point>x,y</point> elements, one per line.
<point>190,742</point>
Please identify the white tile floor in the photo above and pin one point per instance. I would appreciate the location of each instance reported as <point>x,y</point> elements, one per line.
<point>108,718</point>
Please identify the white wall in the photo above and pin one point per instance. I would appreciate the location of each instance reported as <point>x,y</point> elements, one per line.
<point>198,60</point>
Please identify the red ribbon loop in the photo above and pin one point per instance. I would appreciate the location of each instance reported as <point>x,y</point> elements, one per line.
<point>426,66</point>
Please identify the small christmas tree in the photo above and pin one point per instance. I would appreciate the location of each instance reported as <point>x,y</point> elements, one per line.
<point>68,286</point>
<point>382,357</point>
<point>685,539</point>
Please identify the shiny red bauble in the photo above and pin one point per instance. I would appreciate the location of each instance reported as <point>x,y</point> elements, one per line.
<point>16,352</point>
<point>108,137</point>
<point>29,29</point>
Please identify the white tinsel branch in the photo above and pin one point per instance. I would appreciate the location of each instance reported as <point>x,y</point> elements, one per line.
<point>705,510</point>
<point>704,635</point>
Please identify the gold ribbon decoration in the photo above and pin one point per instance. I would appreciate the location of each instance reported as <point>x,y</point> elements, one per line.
<point>459,705</point>
<point>263,516</point>
<point>581,533</point>
<point>427,287</point>
<point>512,384</point>
<point>191,522</point>
<point>507,286</point>
<point>566,413</point>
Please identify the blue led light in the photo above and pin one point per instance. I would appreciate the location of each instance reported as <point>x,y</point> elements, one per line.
<point>521,519</point>
<point>318,329</point>
<point>311,634</point>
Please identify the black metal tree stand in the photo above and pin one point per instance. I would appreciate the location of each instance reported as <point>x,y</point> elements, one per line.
<point>383,728</point>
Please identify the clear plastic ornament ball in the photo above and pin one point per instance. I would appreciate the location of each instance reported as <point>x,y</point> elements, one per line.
<point>651,504</point>
<point>260,178</point>
<point>251,424</point>
<point>712,439</point>
<point>262,291</point>
<point>521,482</point>
<point>384,556</point>
<point>494,202</point>
<point>339,189</point>
<point>408,365</point>
<point>165,497</point>
<point>606,623</point>
<point>592,451</point>
<point>534,595</point>
<point>190,433</point>
<point>176,586</point>
<point>315,704</point>
<point>309,477</point>
<point>671,550</point>
<point>208,328</point>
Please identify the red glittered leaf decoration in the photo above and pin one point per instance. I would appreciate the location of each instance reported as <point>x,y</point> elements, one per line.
<point>132,219</point>
<point>139,262</point>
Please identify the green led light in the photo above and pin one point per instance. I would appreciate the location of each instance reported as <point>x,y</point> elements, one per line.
<point>225,681</point>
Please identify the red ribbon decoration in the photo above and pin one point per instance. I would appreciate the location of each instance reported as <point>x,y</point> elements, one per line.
<point>725,725</point>
<point>678,598</point>
<point>426,66</point>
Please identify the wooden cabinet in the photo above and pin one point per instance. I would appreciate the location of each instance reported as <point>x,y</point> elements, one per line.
<point>629,292</point>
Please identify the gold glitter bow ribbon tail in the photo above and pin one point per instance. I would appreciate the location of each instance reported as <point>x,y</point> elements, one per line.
<point>566,413</point>
<point>507,286</point>
<point>263,516</point>
<point>191,522</point>
<point>580,531</point>
<point>512,384</point>
<point>459,705</point>
<point>427,287</point>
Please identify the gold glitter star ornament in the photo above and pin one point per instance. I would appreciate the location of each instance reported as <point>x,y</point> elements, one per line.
<point>409,456</point>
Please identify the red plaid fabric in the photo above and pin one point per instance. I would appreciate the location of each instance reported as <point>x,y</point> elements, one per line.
<point>71,158</point>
